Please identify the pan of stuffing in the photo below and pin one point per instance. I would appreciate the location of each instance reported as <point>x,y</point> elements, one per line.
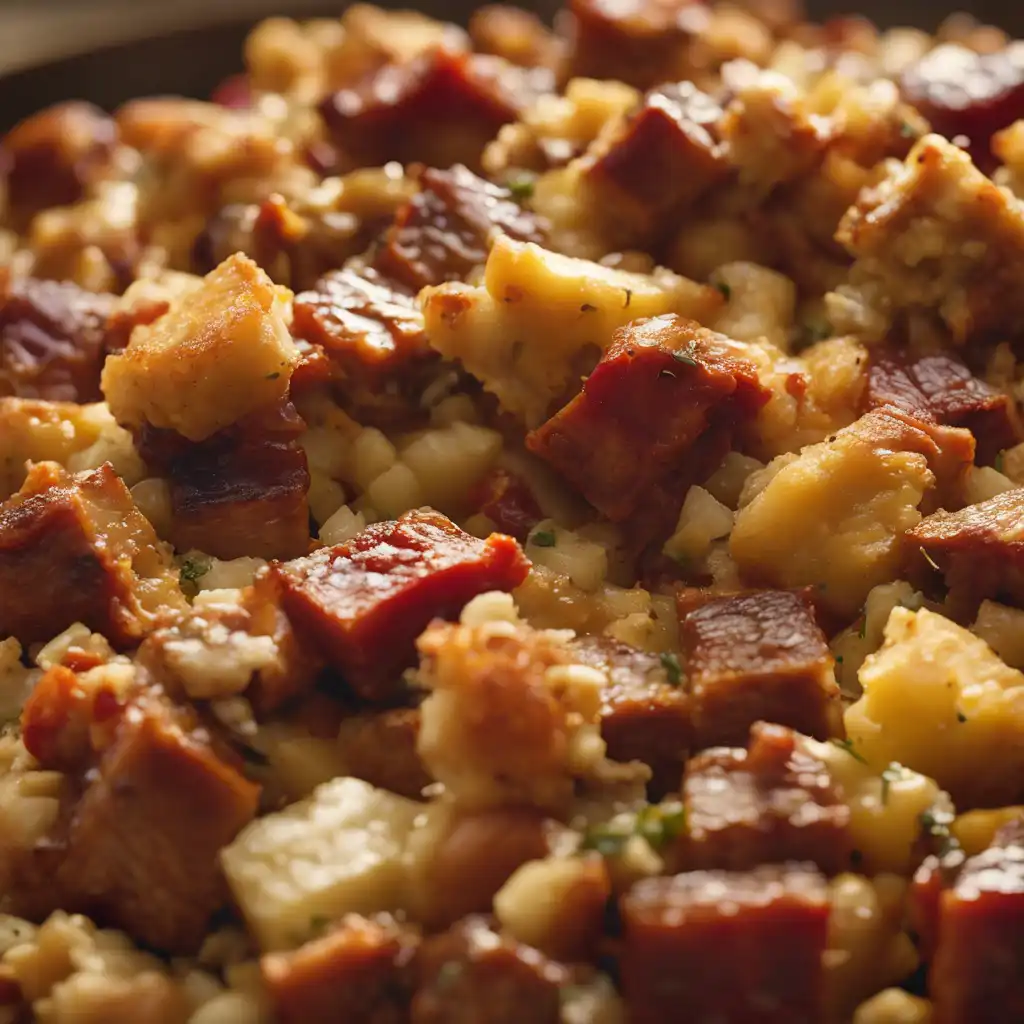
<point>512,524</point>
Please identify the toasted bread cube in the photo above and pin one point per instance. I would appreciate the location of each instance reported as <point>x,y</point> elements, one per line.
<point>537,313</point>
<point>76,549</point>
<point>939,700</point>
<point>338,852</point>
<point>215,356</point>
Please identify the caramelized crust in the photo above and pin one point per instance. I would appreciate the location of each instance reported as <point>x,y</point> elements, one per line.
<point>353,975</point>
<point>656,390</point>
<point>768,804</point>
<point>445,230</point>
<point>759,656</point>
<point>363,603</point>
<point>644,716</point>
<point>727,946</point>
<point>380,748</point>
<point>441,108</point>
<point>52,340</point>
<point>471,973</point>
<point>76,549</point>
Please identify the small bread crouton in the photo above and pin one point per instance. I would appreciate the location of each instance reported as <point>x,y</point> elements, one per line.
<point>510,719</point>
<point>338,852</point>
<point>538,314</point>
<point>834,516</point>
<point>348,976</point>
<point>935,237</point>
<point>216,355</point>
<point>76,549</point>
<point>979,548</point>
<point>939,700</point>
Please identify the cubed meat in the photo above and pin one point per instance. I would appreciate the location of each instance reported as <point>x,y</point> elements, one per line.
<point>363,603</point>
<point>243,491</point>
<point>758,656</point>
<point>645,712</point>
<point>964,268</point>
<point>730,947</point>
<point>352,975</point>
<point>472,975</point>
<point>445,230</point>
<point>380,748</point>
<point>371,334</point>
<point>54,156</point>
<point>513,33</point>
<point>220,353</point>
<point>977,974</point>
<point>940,388</point>
<point>76,549</point>
<point>968,94</point>
<point>771,803</point>
<point>508,502</point>
<point>979,549</point>
<point>659,386</point>
<point>662,159</point>
<point>51,340</point>
<point>642,42</point>
<point>441,108</point>
<point>142,844</point>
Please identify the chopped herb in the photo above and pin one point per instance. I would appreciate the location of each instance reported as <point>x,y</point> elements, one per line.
<point>606,840</point>
<point>935,823</point>
<point>891,774</point>
<point>907,130</point>
<point>659,824</point>
<point>725,290</point>
<point>839,659</point>
<point>1000,461</point>
<point>666,373</point>
<point>685,358</point>
<point>931,561</point>
<point>629,298</point>
<point>449,973</point>
<point>961,717</point>
<point>543,539</point>
<point>847,745</point>
<point>862,632</point>
<point>521,188</point>
<point>272,376</point>
<point>670,662</point>
<point>588,308</point>
<point>193,569</point>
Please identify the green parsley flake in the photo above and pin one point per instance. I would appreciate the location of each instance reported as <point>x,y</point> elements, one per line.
<point>685,358</point>
<point>907,130</point>
<point>935,824</point>
<point>1000,462</point>
<point>543,539</point>
<point>674,671</point>
<point>521,188</point>
<point>725,290</point>
<point>847,745</point>
<point>891,774</point>
<point>193,569</point>
<point>657,824</point>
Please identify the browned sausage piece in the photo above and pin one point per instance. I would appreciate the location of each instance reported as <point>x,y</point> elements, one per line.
<point>472,975</point>
<point>52,340</point>
<point>445,230</point>
<point>363,603</point>
<point>645,716</point>
<point>726,947</point>
<point>769,804</point>
<point>353,975</point>
<point>656,390</point>
<point>76,549</point>
<point>441,108</point>
<point>758,656</point>
<point>978,971</point>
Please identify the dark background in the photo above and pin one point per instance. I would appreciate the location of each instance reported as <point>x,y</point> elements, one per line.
<point>193,62</point>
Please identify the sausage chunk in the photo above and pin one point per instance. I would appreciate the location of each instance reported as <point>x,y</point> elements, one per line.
<point>445,230</point>
<point>508,502</point>
<point>472,975</point>
<point>977,974</point>
<point>941,389</point>
<point>753,657</point>
<point>645,716</point>
<point>353,975</point>
<point>76,549</point>
<point>52,340</point>
<point>441,108</point>
<point>657,389</point>
<point>729,947</point>
<point>771,803</point>
<point>365,602</point>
